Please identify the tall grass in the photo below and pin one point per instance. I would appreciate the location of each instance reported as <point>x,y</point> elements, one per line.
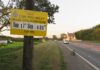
<point>47,57</point>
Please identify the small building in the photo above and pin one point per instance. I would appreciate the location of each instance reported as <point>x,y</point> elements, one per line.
<point>70,36</point>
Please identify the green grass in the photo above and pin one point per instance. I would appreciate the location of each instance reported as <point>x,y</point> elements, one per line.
<point>47,56</point>
<point>11,56</point>
<point>96,41</point>
<point>93,41</point>
<point>63,64</point>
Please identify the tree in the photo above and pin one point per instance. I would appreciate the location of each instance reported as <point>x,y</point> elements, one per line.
<point>39,5</point>
<point>97,26</point>
<point>54,37</point>
<point>96,34</point>
<point>63,36</point>
<point>46,6</point>
<point>4,15</point>
<point>89,34</point>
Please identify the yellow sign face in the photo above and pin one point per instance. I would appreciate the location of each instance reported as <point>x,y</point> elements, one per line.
<point>29,23</point>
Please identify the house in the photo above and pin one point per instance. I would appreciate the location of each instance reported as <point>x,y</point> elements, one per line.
<point>70,36</point>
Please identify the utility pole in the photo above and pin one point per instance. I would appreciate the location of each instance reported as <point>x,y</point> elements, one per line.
<point>28,43</point>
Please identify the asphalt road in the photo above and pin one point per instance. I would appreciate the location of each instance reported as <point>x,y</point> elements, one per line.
<point>89,51</point>
<point>72,62</point>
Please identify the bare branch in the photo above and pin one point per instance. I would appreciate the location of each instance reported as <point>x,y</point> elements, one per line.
<point>5,24</point>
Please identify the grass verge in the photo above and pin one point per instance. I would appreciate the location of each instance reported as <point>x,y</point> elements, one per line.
<point>47,56</point>
<point>63,64</point>
<point>11,56</point>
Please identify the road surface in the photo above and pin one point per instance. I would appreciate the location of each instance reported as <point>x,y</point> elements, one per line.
<point>88,52</point>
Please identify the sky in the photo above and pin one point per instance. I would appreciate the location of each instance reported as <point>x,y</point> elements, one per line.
<point>74,15</point>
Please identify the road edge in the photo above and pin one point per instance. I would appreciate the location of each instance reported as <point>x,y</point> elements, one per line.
<point>92,65</point>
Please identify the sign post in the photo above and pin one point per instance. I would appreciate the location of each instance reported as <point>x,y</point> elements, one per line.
<point>28,52</point>
<point>28,45</point>
<point>29,24</point>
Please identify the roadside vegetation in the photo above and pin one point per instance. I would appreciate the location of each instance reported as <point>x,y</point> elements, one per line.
<point>11,56</point>
<point>47,56</point>
<point>92,34</point>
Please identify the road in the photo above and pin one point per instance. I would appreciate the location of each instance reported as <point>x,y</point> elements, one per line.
<point>89,52</point>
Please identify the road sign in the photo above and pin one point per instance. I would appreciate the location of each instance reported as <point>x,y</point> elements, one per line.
<point>29,23</point>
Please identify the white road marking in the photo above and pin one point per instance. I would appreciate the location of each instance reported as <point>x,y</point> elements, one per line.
<point>92,65</point>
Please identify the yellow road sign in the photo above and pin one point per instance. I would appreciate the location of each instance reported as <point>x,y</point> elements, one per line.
<point>30,23</point>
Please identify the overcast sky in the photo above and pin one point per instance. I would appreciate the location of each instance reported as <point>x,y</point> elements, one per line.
<point>74,15</point>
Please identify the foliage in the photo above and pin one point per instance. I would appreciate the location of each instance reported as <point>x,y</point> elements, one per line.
<point>39,5</point>
<point>5,38</point>
<point>96,34</point>
<point>45,6</point>
<point>89,34</point>
<point>97,26</point>
<point>63,36</point>
<point>4,15</point>
<point>54,37</point>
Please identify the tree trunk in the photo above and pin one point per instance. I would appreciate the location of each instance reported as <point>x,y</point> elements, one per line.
<point>28,43</point>
<point>28,53</point>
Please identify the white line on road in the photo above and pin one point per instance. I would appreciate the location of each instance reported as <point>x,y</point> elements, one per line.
<point>92,65</point>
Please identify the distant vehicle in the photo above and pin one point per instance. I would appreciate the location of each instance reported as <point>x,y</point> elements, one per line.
<point>65,42</point>
<point>9,41</point>
<point>5,41</point>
